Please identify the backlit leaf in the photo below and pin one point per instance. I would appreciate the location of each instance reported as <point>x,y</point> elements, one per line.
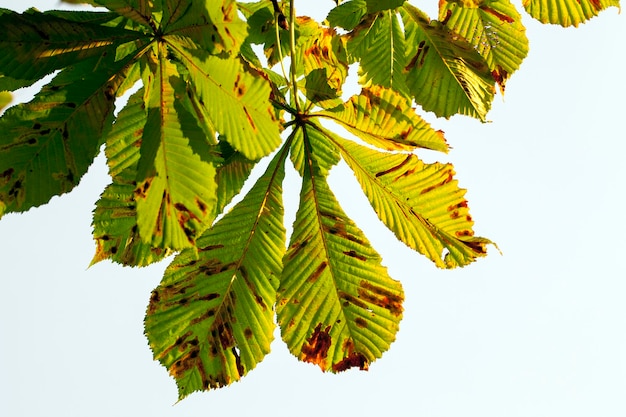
<point>385,119</point>
<point>236,98</point>
<point>48,144</point>
<point>378,44</point>
<point>421,203</point>
<point>494,28</point>
<point>444,73</point>
<point>211,320</point>
<point>337,306</point>
<point>566,12</point>
<point>175,191</point>
<point>35,44</point>
<point>115,227</point>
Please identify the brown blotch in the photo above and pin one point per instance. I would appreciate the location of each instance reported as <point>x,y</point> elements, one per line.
<point>240,370</point>
<point>201,205</point>
<point>187,362</point>
<point>208,314</point>
<point>381,297</point>
<point>248,333</point>
<point>209,297</point>
<point>351,299</point>
<point>250,120</point>
<point>353,360</point>
<point>396,167</point>
<point>225,334</point>
<point>447,179</point>
<point>462,204</point>
<point>6,175</point>
<point>318,272</point>
<point>501,16</point>
<point>353,254</point>
<point>464,233</point>
<point>315,350</point>
<point>360,322</point>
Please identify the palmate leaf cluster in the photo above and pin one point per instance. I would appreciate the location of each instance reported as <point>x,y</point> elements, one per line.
<point>222,86</point>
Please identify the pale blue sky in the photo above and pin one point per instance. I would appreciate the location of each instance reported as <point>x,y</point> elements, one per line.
<point>538,331</point>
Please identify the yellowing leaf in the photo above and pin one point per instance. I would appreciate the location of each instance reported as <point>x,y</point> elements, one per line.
<point>213,25</point>
<point>211,320</point>
<point>322,49</point>
<point>176,190</point>
<point>494,28</point>
<point>236,98</point>
<point>444,73</point>
<point>378,44</point>
<point>421,203</point>
<point>385,119</point>
<point>566,12</point>
<point>337,306</point>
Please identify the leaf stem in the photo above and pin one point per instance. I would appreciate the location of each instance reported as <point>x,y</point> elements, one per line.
<point>292,46</point>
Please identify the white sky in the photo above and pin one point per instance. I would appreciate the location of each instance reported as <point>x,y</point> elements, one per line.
<point>538,331</point>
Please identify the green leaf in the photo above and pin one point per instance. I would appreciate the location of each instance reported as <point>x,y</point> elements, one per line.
<point>49,143</point>
<point>324,152</point>
<point>444,73</point>
<point>115,227</point>
<point>336,305</point>
<point>348,14</point>
<point>494,28</point>
<point>211,320</point>
<point>421,203</point>
<point>378,44</point>
<point>143,12</point>
<point>566,12</point>
<point>374,6</point>
<point>236,98</point>
<point>385,119</point>
<point>262,31</point>
<point>35,44</point>
<point>214,25</point>
<point>176,190</point>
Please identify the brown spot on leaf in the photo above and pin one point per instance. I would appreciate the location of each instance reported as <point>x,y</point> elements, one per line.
<point>250,120</point>
<point>420,56</point>
<point>381,297</point>
<point>247,333</point>
<point>360,322</point>
<point>225,334</point>
<point>318,272</point>
<point>186,363</point>
<point>464,233</point>
<point>353,360</point>
<point>395,167</point>
<point>501,16</point>
<point>142,190</point>
<point>315,350</point>
<point>210,248</point>
<point>449,177</point>
<point>462,204</point>
<point>351,299</point>
<point>208,314</point>
<point>355,255</point>
<point>6,175</point>
<point>209,297</point>
<point>201,205</point>
<point>296,247</point>
<point>240,370</point>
